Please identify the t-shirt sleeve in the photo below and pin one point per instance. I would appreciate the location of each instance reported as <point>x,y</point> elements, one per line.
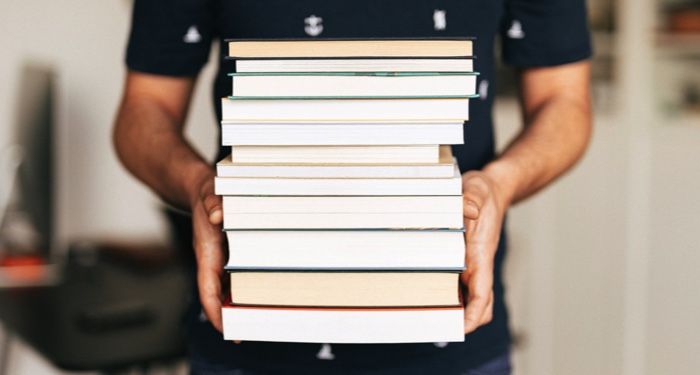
<point>170,37</point>
<point>545,32</point>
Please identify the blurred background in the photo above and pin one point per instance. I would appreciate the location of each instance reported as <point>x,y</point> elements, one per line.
<point>602,274</point>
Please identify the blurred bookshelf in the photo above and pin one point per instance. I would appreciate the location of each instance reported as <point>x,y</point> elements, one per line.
<point>676,46</point>
<point>674,41</point>
<point>601,14</point>
<point>601,18</point>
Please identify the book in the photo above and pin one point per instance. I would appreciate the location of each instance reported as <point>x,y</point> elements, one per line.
<point>329,212</point>
<point>339,186</point>
<point>325,155</point>
<point>355,48</point>
<point>345,289</point>
<point>442,169</point>
<point>353,84</point>
<point>355,65</point>
<point>367,110</point>
<point>244,133</point>
<point>351,250</point>
<point>336,325</point>
<point>342,201</point>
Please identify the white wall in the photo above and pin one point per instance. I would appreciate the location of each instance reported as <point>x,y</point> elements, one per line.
<point>673,322</point>
<point>563,274</point>
<point>84,42</point>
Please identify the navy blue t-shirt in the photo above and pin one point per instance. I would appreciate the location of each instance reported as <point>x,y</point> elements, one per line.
<point>174,38</point>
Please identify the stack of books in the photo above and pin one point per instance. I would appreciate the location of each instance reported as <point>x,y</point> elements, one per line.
<point>342,201</point>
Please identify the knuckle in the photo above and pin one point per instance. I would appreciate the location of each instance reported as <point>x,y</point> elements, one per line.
<point>472,194</point>
<point>211,201</point>
<point>488,317</point>
<point>478,297</point>
<point>478,183</point>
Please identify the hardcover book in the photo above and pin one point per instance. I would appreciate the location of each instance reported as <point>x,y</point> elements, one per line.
<point>346,289</point>
<point>355,65</point>
<point>343,325</point>
<point>443,168</point>
<point>352,48</point>
<point>439,250</point>
<point>343,212</point>
<point>354,84</point>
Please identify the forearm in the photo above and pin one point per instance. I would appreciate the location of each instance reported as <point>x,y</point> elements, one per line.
<point>150,144</point>
<point>556,133</point>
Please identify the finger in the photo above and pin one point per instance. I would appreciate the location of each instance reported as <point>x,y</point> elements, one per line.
<point>475,192</point>
<point>480,284</point>
<point>208,249</point>
<point>476,305</point>
<point>488,312</point>
<point>209,286</point>
<point>212,206</point>
<point>210,294</point>
<point>470,210</point>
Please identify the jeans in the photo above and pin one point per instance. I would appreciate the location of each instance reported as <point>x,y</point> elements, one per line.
<point>499,365</point>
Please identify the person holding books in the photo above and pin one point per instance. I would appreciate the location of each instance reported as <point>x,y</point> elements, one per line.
<point>546,41</point>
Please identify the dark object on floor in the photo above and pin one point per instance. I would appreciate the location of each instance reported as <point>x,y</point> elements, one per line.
<point>114,306</point>
<point>685,18</point>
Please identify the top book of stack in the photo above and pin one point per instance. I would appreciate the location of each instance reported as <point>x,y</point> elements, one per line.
<point>425,82</point>
<point>350,48</point>
<point>347,55</point>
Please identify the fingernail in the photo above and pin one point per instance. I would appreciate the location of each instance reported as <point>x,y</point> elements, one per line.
<point>215,215</point>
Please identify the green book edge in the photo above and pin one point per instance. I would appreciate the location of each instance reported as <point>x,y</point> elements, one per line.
<point>346,74</point>
<point>349,97</point>
<point>235,269</point>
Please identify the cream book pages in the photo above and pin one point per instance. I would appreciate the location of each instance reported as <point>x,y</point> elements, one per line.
<point>444,168</point>
<point>290,48</point>
<point>347,289</point>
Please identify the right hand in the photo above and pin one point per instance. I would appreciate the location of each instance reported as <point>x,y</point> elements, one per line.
<point>207,217</point>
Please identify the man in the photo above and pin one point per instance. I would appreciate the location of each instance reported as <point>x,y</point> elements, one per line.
<point>546,40</point>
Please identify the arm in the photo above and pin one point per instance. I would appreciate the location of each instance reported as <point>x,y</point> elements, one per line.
<point>557,116</point>
<point>149,140</point>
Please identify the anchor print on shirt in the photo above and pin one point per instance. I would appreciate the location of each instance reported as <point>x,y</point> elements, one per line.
<point>192,36</point>
<point>325,353</point>
<point>516,30</point>
<point>313,25</point>
<point>439,19</point>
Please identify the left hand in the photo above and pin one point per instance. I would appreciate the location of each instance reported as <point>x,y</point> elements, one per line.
<point>484,209</point>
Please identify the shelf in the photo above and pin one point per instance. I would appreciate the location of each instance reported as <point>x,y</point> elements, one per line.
<point>603,44</point>
<point>685,119</point>
<point>28,276</point>
<point>678,45</point>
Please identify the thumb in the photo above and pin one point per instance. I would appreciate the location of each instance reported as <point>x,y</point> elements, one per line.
<point>212,206</point>
<point>470,209</point>
<point>474,192</point>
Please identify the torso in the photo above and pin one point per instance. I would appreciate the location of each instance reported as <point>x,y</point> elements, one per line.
<point>378,18</point>
<point>371,19</point>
